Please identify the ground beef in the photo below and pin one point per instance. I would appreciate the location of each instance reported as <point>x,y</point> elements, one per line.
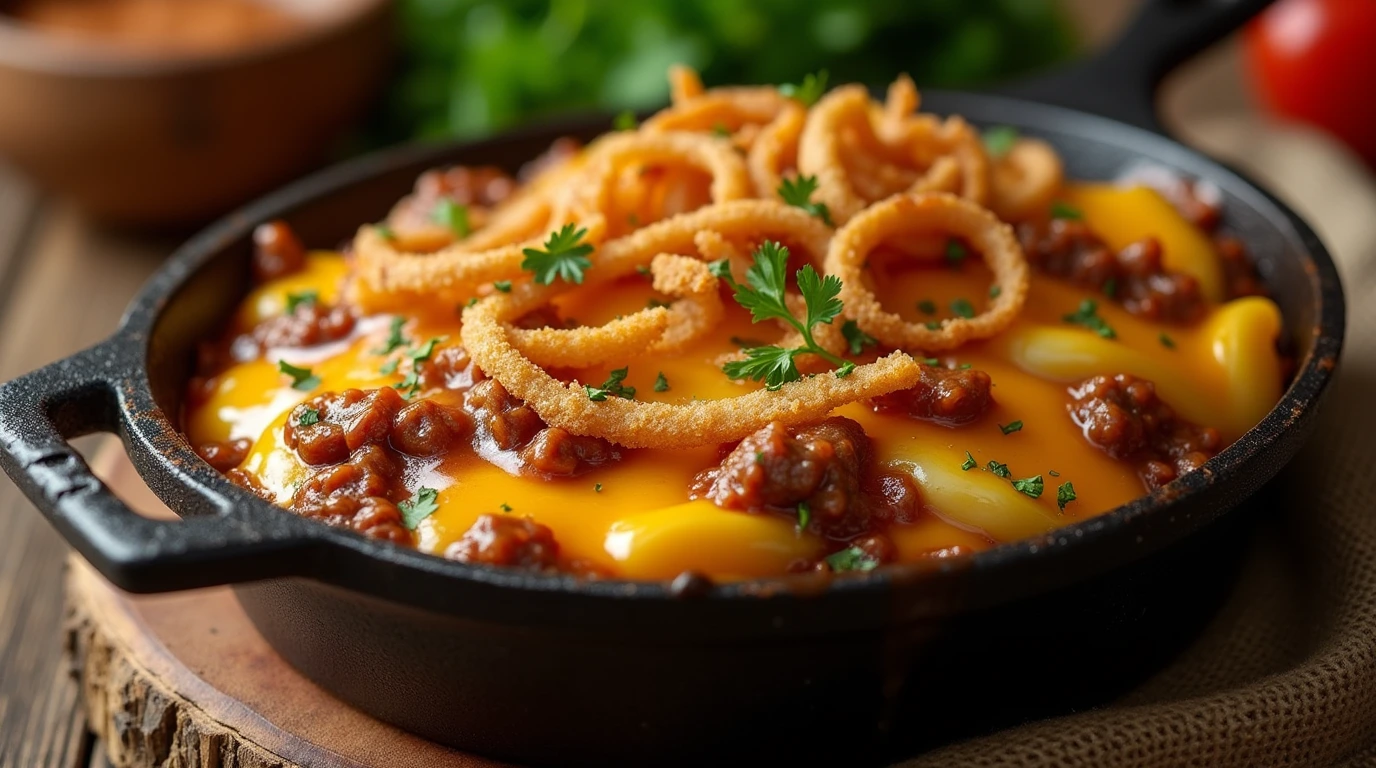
<point>1239,274</point>
<point>946,396</point>
<point>508,420</point>
<point>343,423</point>
<point>554,452</point>
<point>1134,276</point>
<point>1122,416</point>
<point>358,494</point>
<point>449,368</point>
<point>508,541</point>
<point>277,251</point>
<point>428,428</point>
<point>309,325</point>
<point>226,455</point>
<point>823,465</point>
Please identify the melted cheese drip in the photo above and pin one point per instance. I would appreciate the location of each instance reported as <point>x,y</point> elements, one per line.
<point>632,517</point>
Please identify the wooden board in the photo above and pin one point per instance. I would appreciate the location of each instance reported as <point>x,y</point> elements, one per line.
<point>184,680</point>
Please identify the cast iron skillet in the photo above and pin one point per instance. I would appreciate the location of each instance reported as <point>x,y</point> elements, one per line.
<point>554,670</point>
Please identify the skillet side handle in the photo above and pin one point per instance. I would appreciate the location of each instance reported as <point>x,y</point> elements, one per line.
<point>1120,82</point>
<point>77,396</point>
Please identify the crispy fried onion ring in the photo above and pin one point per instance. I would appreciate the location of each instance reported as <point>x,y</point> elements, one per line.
<point>695,314</point>
<point>1025,180</point>
<point>636,424</point>
<point>925,214</point>
<point>775,150</point>
<point>889,154</point>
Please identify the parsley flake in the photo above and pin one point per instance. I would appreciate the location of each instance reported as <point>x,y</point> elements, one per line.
<point>385,231</point>
<point>1060,210</point>
<point>308,417</point>
<point>390,367</point>
<point>502,285</point>
<point>804,516</point>
<point>1166,341</point>
<point>797,192</point>
<point>597,488</point>
<point>1087,315</point>
<point>851,559</point>
<point>409,385</point>
<point>1029,486</point>
<point>927,307</point>
<point>423,352</point>
<point>395,338</point>
<point>763,295</point>
<point>505,507</point>
<point>963,308</point>
<point>933,325</point>
<point>565,257</point>
<point>1064,495</point>
<point>1011,427</point>
<point>999,140</point>
<point>452,215</point>
<point>661,383</point>
<point>955,254</point>
<point>612,386</point>
<point>720,129</point>
<point>421,505</point>
<point>998,469</point>
<point>626,121</point>
<point>970,462</point>
<point>931,362</point>
<point>994,291</point>
<point>301,378</point>
<point>807,92</point>
<point>721,268</point>
<point>856,338</point>
<point>301,299</point>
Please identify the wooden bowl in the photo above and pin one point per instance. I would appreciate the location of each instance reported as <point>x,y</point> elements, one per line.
<point>147,139</point>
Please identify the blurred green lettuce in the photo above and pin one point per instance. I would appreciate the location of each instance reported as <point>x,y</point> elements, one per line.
<point>474,66</point>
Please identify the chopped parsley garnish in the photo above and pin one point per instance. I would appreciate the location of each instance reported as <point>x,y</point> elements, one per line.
<point>390,367</point>
<point>409,385</point>
<point>931,362</point>
<point>970,462</point>
<point>1053,473</point>
<point>999,469</point>
<point>851,559</point>
<point>1088,316</point>
<point>1060,210</point>
<point>720,129</point>
<point>1064,495</point>
<point>597,488</point>
<point>505,507</point>
<point>764,297</point>
<point>807,92</point>
<point>471,301</point>
<point>502,285</point>
<point>1029,486</point>
<point>644,271</point>
<point>452,215</point>
<point>308,417</point>
<point>385,231</point>
<point>966,366</point>
<point>856,338</point>
<point>1011,427</point>
<point>720,268</point>
<point>565,256</point>
<point>955,254</point>
<point>999,140</point>
<point>804,516</point>
<point>395,338</point>
<point>661,383</point>
<point>612,386</point>
<point>303,298</point>
<point>301,378</point>
<point>927,307</point>
<point>933,325</point>
<point>1110,287</point>
<point>963,308</point>
<point>1166,341</point>
<point>626,121</point>
<point>423,352</point>
<point>994,291</point>
<point>421,505</point>
<point>797,192</point>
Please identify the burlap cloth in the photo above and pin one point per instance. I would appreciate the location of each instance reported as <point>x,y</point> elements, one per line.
<point>1285,675</point>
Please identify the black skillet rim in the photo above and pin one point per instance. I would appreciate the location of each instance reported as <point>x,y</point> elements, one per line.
<point>1295,406</point>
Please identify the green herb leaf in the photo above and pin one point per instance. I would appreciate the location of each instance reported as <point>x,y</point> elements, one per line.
<point>999,469</point>
<point>1064,495</point>
<point>955,254</point>
<point>933,325</point>
<point>661,383</point>
<point>772,365</point>
<point>395,338</point>
<point>856,338</point>
<point>994,291</point>
<point>409,386</point>
<point>807,92</point>
<point>301,378</point>
<point>970,462</point>
<point>999,140</point>
<point>1166,341</point>
<point>720,268</point>
<point>308,417</point>
<point>851,559</point>
<point>505,507</point>
<point>966,366</point>
<point>421,505</point>
<point>720,129</point>
<point>502,285</point>
<point>626,121</point>
<point>565,256</point>
<point>931,362</point>
<point>804,516</point>
<point>390,367</point>
<point>963,308</point>
<point>303,298</point>
<point>471,301</point>
<point>927,307</point>
<point>452,215</point>
<point>1087,315</point>
<point>612,386</point>
<point>797,192</point>
<point>1011,427</point>
<point>385,231</point>
<point>1060,210</point>
<point>1029,486</point>
<point>423,352</point>
<point>597,488</point>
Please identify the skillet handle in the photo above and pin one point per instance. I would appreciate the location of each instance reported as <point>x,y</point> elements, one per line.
<point>219,543</point>
<point>1120,82</point>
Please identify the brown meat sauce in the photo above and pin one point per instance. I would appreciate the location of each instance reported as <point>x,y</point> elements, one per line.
<point>950,397</point>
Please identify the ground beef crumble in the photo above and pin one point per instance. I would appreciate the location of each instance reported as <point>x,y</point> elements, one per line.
<point>508,541</point>
<point>950,397</point>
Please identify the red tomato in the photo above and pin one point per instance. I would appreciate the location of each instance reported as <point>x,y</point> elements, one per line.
<point>1315,61</point>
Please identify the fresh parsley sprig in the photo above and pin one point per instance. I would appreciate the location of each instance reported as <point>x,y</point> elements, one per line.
<point>421,505</point>
<point>807,92</point>
<point>612,386</point>
<point>565,256</point>
<point>301,378</point>
<point>798,191</point>
<point>763,295</point>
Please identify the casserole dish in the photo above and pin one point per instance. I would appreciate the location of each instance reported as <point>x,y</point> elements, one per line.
<point>550,668</point>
